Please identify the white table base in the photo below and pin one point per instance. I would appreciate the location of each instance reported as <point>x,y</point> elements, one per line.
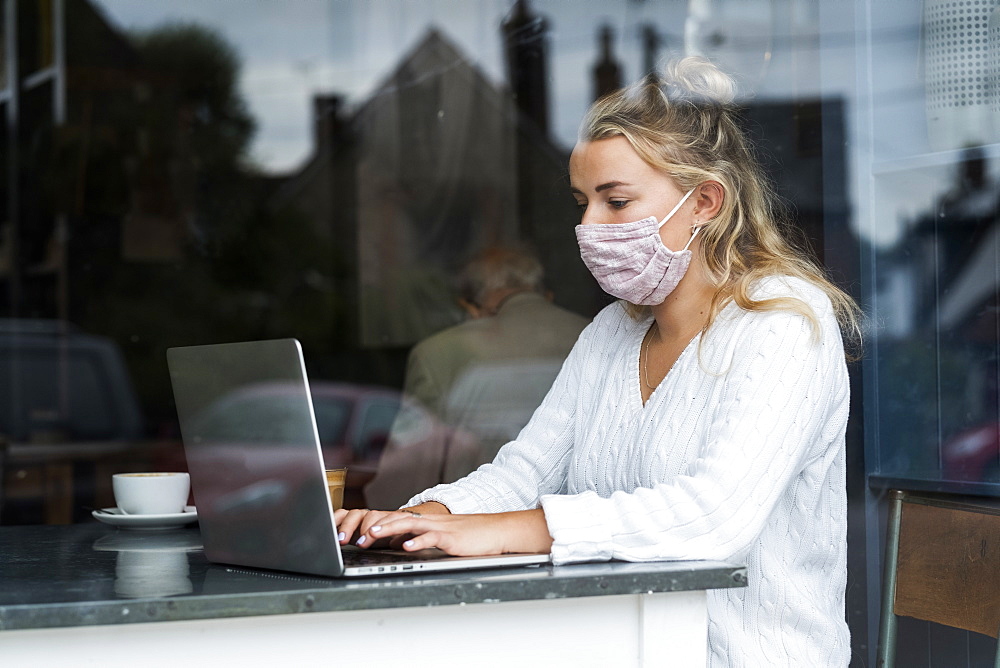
<point>663,629</point>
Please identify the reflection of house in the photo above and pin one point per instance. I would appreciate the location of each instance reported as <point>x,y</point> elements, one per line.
<point>937,294</point>
<point>973,293</point>
<point>59,101</point>
<point>525,36</point>
<point>421,174</point>
<point>81,192</point>
<point>965,234</point>
<point>948,258</point>
<point>436,175</point>
<point>607,72</point>
<point>94,212</point>
<point>806,170</point>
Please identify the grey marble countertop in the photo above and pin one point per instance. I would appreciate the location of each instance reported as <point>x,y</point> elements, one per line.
<point>91,574</point>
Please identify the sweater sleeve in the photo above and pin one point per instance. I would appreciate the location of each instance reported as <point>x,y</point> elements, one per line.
<point>533,464</point>
<point>770,421</point>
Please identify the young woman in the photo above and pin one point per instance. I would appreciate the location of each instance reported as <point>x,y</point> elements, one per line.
<point>700,417</point>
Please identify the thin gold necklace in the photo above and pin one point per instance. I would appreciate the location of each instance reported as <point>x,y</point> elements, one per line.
<point>645,361</point>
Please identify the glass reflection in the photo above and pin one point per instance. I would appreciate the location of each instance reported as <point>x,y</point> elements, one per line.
<point>473,386</point>
<point>157,192</point>
<point>151,563</point>
<point>937,355</point>
<point>256,468</point>
<point>192,172</point>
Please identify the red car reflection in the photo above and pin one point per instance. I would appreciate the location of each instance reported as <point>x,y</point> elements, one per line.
<point>973,455</point>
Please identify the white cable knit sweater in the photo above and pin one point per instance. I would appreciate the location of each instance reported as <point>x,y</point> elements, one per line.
<point>737,456</point>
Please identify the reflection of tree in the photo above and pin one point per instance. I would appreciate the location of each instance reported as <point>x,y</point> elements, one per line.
<point>200,257</point>
<point>195,128</point>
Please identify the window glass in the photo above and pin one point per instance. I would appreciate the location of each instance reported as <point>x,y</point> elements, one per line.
<point>332,417</point>
<point>373,432</point>
<point>386,182</point>
<point>932,396</point>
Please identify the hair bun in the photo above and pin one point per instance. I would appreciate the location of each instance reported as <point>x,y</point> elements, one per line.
<point>698,80</point>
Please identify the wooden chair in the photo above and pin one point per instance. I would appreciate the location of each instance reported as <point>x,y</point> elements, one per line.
<point>942,564</point>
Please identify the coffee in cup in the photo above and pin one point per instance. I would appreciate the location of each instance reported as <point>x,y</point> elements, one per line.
<point>335,480</point>
<point>151,493</point>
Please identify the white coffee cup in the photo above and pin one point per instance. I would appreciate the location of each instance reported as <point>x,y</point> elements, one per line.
<point>151,493</point>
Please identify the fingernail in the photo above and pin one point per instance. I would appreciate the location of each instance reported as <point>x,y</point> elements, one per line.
<point>341,536</point>
<point>376,529</point>
<point>361,541</point>
<point>408,543</point>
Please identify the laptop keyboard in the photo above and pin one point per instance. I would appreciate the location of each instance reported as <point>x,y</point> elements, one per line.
<point>374,557</point>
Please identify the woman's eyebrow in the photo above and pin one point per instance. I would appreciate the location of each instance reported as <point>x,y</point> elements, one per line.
<point>609,184</point>
<point>603,186</point>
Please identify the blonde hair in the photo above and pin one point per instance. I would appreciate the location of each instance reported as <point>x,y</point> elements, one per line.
<point>685,124</point>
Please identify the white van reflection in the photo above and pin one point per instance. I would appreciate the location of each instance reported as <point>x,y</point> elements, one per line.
<point>353,420</point>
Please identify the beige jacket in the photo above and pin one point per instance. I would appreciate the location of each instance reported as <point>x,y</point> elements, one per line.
<point>478,383</point>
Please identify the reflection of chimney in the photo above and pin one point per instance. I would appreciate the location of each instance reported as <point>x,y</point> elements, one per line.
<point>328,127</point>
<point>525,46</point>
<point>607,71</point>
<point>650,47</point>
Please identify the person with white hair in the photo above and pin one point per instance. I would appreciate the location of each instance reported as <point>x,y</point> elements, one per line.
<point>480,380</point>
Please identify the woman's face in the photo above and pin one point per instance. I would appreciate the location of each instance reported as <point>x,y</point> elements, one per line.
<point>612,184</point>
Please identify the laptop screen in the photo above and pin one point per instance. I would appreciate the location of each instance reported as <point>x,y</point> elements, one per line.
<point>254,456</point>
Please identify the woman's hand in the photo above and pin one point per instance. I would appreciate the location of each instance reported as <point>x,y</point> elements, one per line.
<point>462,535</point>
<point>353,525</point>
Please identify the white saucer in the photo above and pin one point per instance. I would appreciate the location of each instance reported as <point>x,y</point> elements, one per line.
<point>115,517</point>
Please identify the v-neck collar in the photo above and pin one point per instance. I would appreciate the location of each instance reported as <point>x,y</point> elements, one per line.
<point>636,363</point>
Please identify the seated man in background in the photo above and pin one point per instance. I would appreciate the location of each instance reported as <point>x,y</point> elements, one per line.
<point>482,378</point>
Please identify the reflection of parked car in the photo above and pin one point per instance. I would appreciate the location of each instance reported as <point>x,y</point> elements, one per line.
<point>62,383</point>
<point>973,455</point>
<point>69,416</point>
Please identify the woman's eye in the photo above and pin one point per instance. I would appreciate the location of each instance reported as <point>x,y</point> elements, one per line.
<point>582,206</point>
<point>617,203</point>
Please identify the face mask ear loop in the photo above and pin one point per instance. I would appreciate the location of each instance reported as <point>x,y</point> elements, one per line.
<point>674,210</point>
<point>696,228</point>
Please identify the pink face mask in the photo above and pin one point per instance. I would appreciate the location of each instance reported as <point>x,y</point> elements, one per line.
<point>630,261</point>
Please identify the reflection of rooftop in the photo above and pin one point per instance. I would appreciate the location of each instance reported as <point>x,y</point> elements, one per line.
<point>435,164</point>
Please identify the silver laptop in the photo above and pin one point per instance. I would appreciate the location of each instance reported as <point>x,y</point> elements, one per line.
<point>253,451</point>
